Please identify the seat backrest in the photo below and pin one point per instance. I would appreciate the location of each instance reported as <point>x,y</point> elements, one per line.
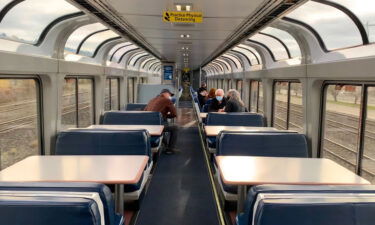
<point>271,143</point>
<point>135,106</point>
<point>235,119</point>
<point>307,210</point>
<point>46,210</point>
<point>132,118</point>
<point>103,191</point>
<point>103,142</point>
<point>289,191</point>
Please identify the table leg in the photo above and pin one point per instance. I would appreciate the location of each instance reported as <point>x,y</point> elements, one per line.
<point>119,198</point>
<point>241,193</point>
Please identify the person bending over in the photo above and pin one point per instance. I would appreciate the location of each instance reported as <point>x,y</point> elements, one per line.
<point>218,102</point>
<point>163,104</point>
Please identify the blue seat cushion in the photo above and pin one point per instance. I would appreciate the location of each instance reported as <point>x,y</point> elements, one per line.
<point>103,142</point>
<point>132,118</point>
<point>103,191</point>
<point>273,144</point>
<point>48,210</point>
<point>256,190</point>
<point>235,119</point>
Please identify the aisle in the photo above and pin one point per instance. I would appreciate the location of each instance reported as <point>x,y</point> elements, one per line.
<point>180,191</point>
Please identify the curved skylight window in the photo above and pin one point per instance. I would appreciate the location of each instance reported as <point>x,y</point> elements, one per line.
<point>26,21</point>
<point>365,11</point>
<point>234,59</point>
<point>76,38</point>
<point>253,52</point>
<point>89,46</point>
<point>227,65</point>
<point>117,47</point>
<point>278,51</point>
<point>3,3</point>
<point>335,28</point>
<point>136,57</point>
<point>117,56</point>
<point>286,38</point>
<point>143,65</point>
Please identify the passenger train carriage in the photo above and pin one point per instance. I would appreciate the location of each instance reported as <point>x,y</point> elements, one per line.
<point>275,105</point>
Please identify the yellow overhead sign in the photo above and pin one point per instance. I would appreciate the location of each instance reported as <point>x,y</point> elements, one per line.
<point>186,70</point>
<point>182,17</point>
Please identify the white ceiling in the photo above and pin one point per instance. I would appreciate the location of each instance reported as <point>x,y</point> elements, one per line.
<point>221,18</point>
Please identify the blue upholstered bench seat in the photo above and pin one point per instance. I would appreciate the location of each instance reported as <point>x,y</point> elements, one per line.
<point>111,218</point>
<point>305,205</point>
<point>135,106</point>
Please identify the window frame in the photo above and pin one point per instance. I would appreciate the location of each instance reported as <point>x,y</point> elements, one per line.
<point>77,77</point>
<point>39,107</point>
<point>289,81</point>
<point>110,78</point>
<point>362,117</point>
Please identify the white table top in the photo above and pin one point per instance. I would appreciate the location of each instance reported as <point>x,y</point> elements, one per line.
<point>100,169</point>
<point>215,130</point>
<point>154,130</point>
<point>247,170</point>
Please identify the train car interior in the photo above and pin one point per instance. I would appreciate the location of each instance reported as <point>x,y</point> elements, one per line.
<point>187,112</point>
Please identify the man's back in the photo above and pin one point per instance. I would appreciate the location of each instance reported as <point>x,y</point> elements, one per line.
<point>163,105</point>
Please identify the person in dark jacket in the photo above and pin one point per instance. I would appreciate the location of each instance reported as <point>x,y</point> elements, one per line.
<point>202,95</point>
<point>234,103</point>
<point>219,102</point>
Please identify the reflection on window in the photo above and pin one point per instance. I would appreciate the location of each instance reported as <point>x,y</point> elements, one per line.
<point>256,97</point>
<point>365,11</point>
<point>286,38</point>
<point>368,163</point>
<point>277,49</point>
<point>111,101</point>
<point>335,27</point>
<point>90,45</point>
<point>26,21</point>
<point>81,113</point>
<point>287,106</point>
<point>341,124</point>
<point>19,131</point>
<point>78,35</point>
<point>130,90</point>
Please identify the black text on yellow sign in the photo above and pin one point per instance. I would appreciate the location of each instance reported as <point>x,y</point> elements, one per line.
<point>182,17</point>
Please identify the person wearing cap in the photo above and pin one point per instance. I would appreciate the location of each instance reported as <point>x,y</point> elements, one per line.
<point>163,104</point>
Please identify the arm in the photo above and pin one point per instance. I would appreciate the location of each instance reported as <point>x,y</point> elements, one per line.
<point>172,111</point>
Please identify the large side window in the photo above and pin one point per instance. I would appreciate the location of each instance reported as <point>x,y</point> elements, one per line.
<point>256,97</point>
<point>19,120</point>
<point>111,99</point>
<point>130,90</point>
<point>287,106</point>
<point>348,127</point>
<point>78,102</point>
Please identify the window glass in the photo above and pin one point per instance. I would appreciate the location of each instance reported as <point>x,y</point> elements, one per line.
<point>78,35</point>
<point>69,106</point>
<point>85,102</point>
<point>130,90</point>
<point>107,95</point>
<point>341,124</point>
<point>19,118</point>
<point>122,51</point>
<point>286,38</point>
<point>143,65</point>
<point>235,60</point>
<point>368,159</point>
<point>132,61</point>
<point>280,105</point>
<point>254,96</point>
<point>26,21</point>
<point>117,47</point>
<point>278,50</point>
<point>365,11</point>
<point>115,102</point>
<point>253,60</point>
<point>295,108</point>
<point>335,28</point>
<point>227,65</point>
<point>3,3</point>
<point>90,45</point>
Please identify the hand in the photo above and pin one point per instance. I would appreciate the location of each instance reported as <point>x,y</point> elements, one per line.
<point>221,110</point>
